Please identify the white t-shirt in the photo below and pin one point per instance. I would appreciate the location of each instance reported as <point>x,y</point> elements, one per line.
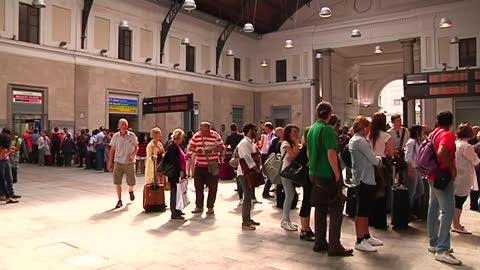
<point>411,152</point>
<point>466,159</point>
<point>286,160</point>
<point>380,144</point>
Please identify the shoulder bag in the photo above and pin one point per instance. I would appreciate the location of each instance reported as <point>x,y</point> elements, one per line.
<point>253,178</point>
<point>213,167</point>
<point>399,158</point>
<point>296,171</point>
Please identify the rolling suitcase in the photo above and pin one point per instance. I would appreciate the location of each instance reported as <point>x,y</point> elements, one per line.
<point>400,208</point>
<point>378,215</point>
<point>154,196</point>
<point>351,205</point>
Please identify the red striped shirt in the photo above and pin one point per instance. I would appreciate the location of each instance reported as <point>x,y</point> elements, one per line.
<point>210,142</point>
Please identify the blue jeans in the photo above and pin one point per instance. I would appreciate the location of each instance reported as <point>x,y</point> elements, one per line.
<point>100,157</point>
<point>414,186</point>
<point>247,202</point>
<point>442,204</point>
<point>289,194</point>
<point>6,186</point>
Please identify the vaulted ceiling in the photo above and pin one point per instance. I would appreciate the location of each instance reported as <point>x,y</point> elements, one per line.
<point>269,15</point>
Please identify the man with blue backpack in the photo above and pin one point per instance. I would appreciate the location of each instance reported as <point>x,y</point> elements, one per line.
<point>436,159</point>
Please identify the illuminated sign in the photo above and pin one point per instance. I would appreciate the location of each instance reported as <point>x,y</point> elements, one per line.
<point>122,105</point>
<point>27,97</point>
<point>178,103</point>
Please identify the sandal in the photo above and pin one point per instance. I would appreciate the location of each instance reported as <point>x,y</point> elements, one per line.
<point>461,230</point>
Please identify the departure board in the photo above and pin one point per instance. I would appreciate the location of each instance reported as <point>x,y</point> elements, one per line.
<point>454,83</point>
<point>167,104</point>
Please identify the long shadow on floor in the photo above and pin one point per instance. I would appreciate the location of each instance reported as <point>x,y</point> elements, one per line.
<point>143,216</point>
<point>109,214</point>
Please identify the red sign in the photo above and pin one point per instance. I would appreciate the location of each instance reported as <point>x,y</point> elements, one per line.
<point>26,97</point>
<point>448,90</point>
<point>448,77</point>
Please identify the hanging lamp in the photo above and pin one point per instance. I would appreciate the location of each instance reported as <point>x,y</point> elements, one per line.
<point>355,33</point>
<point>186,41</point>
<point>124,25</point>
<point>445,23</point>
<point>189,5</point>
<point>264,63</point>
<point>378,50</point>
<point>325,12</point>
<point>39,3</point>
<point>288,44</point>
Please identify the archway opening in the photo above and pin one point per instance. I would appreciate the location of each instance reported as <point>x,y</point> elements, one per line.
<point>390,100</point>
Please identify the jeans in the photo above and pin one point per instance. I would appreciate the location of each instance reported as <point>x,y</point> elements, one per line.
<point>6,186</point>
<point>41,156</point>
<point>247,201</point>
<point>100,158</point>
<point>289,194</point>
<point>415,186</point>
<point>239,188</point>
<point>334,211</point>
<point>442,204</point>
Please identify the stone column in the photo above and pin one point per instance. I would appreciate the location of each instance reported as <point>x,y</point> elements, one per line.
<point>408,68</point>
<point>326,75</point>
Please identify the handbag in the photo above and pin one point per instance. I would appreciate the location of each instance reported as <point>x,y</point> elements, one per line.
<point>295,172</point>
<point>234,161</point>
<point>212,166</point>
<point>182,195</point>
<point>253,178</point>
<point>442,179</point>
<point>166,169</point>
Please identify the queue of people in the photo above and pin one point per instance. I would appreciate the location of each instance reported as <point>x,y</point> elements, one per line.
<point>378,159</point>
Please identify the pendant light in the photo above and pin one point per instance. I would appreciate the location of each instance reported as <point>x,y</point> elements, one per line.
<point>325,12</point>
<point>288,44</point>
<point>229,52</point>
<point>454,40</point>
<point>186,41</point>
<point>248,27</point>
<point>378,50</point>
<point>39,3</point>
<point>124,25</point>
<point>318,56</point>
<point>264,64</point>
<point>445,23</point>
<point>189,5</point>
<point>355,33</point>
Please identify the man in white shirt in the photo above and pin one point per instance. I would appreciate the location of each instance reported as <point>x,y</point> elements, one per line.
<point>400,136</point>
<point>246,148</point>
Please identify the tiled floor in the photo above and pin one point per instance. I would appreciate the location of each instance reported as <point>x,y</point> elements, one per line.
<point>65,220</point>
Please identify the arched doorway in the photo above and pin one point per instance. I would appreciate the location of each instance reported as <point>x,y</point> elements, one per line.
<point>390,100</point>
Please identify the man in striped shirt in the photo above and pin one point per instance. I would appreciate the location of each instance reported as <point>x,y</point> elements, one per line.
<point>207,145</point>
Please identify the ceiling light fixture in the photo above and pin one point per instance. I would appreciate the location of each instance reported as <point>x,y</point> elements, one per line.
<point>248,28</point>
<point>318,56</point>
<point>189,5</point>
<point>264,63</point>
<point>378,50</point>
<point>355,33</point>
<point>325,12</point>
<point>124,25</point>
<point>230,53</point>
<point>445,23</point>
<point>39,3</point>
<point>186,41</point>
<point>288,44</point>
<point>454,40</point>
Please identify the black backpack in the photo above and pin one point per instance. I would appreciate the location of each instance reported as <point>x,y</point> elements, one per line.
<point>346,156</point>
<point>56,140</point>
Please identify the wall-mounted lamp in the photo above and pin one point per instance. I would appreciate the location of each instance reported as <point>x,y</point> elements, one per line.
<point>103,52</point>
<point>228,76</point>
<point>62,44</point>
<point>124,25</point>
<point>208,71</point>
<point>175,66</point>
<point>318,56</point>
<point>148,60</point>
<point>14,37</point>
<point>295,78</point>
<point>250,80</point>
<point>454,40</point>
<point>39,3</point>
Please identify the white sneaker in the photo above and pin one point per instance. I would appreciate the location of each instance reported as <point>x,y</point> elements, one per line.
<point>365,246</point>
<point>448,258</point>
<point>374,241</point>
<point>240,203</point>
<point>287,225</point>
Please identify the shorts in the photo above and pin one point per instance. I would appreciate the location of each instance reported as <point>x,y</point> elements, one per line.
<point>120,169</point>
<point>459,201</point>
<point>366,195</point>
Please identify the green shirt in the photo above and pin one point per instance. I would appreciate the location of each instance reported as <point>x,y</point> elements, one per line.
<point>319,164</point>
